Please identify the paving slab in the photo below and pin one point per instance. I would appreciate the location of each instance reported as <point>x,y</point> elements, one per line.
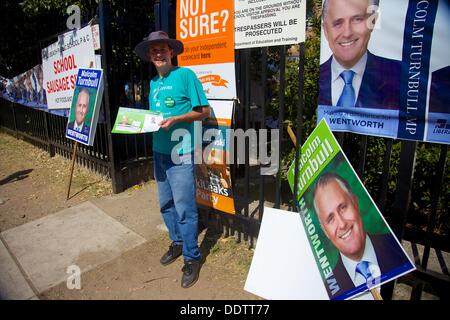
<point>137,210</point>
<point>13,285</point>
<point>82,236</point>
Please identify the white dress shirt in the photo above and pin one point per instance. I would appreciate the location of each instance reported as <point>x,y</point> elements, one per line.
<point>337,83</point>
<point>77,127</point>
<point>370,256</point>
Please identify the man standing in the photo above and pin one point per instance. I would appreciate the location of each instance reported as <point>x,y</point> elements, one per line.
<point>362,257</point>
<point>354,77</point>
<point>178,94</point>
<point>82,108</point>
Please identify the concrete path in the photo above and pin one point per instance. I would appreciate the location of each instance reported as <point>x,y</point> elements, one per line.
<point>59,247</point>
<point>13,284</point>
<point>116,242</point>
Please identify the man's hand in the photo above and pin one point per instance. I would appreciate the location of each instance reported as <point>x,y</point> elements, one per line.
<point>167,123</point>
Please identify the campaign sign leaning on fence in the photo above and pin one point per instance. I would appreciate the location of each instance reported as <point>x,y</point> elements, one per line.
<point>86,101</point>
<point>354,248</point>
<point>212,175</point>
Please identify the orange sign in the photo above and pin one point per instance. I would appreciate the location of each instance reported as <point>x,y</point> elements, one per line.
<point>206,28</point>
<point>212,175</point>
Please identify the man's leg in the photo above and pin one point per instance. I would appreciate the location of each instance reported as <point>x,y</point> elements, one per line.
<point>182,183</point>
<point>167,208</point>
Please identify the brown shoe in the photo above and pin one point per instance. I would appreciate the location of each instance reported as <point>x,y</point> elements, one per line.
<point>172,254</point>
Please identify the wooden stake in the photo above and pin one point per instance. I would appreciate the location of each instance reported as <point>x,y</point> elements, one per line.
<point>74,156</point>
<point>292,135</point>
<point>376,295</point>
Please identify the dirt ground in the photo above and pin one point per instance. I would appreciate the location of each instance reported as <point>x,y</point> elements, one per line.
<point>33,185</point>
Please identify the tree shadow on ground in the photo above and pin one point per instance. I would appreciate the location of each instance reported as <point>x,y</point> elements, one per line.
<point>17,176</point>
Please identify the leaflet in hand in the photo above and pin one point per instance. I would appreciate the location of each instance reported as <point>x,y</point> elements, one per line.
<point>131,121</point>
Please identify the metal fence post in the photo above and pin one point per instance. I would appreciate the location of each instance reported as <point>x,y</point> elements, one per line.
<point>263,126</point>
<point>51,148</point>
<point>108,96</point>
<point>161,11</point>
<point>14,118</point>
<point>300,107</point>
<point>281,93</point>
<point>402,198</point>
<point>165,16</point>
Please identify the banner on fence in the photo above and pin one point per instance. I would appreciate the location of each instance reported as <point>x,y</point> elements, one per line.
<point>25,89</point>
<point>87,98</point>
<point>206,28</point>
<point>388,73</point>
<point>269,23</point>
<point>61,61</point>
<point>213,179</point>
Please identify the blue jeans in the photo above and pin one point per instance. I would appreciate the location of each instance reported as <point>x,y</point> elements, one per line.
<point>176,187</point>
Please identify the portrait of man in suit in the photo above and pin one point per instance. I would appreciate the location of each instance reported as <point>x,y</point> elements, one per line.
<point>82,108</point>
<point>363,257</point>
<point>353,76</point>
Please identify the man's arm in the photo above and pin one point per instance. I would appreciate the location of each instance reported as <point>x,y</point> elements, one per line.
<point>198,114</point>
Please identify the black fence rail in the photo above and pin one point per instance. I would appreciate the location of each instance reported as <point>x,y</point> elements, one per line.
<point>47,131</point>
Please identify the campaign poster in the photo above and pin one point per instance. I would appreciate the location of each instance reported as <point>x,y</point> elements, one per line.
<point>385,68</point>
<point>61,61</point>
<point>353,246</point>
<point>212,173</point>
<point>132,121</point>
<point>265,23</point>
<point>85,108</point>
<point>282,234</point>
<point>96,38</point>
<point>206,28</point>
<point>26,88</point>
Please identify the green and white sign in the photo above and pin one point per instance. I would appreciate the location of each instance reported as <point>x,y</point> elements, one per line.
<point>352,245</point>
<point>132,121</point>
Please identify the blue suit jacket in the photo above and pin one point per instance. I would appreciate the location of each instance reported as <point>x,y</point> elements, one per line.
<point>389,256</point>
<point>380,86</point>
<point>440,91</point>
<point>85,127</point>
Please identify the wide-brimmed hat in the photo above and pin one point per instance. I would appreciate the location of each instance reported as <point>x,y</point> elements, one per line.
<point>141,49</point>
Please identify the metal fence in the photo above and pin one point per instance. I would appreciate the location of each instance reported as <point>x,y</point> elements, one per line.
<point>410,190</point>
<point>47,131</point>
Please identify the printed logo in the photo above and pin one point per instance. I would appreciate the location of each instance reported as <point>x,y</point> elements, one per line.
<point>215,79</point>
<point>441,127</point>
<point>169,102</point>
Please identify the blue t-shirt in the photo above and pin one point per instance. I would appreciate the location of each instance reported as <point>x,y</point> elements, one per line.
<point>176,93</point>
